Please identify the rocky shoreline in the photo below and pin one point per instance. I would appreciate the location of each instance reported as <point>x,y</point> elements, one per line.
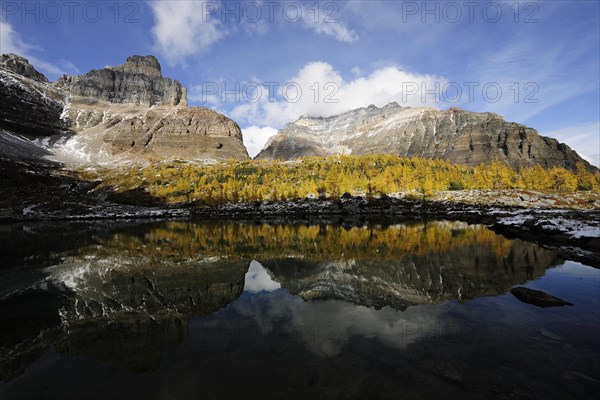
<point>569,222</point>
<point>576,232</point>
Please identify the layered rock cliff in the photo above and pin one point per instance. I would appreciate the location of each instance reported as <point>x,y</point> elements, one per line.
<point>139,81</point>
<point>122,113</point>
<point>454,135</point>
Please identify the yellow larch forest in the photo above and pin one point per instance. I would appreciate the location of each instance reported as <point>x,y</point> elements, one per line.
<point>330,177</point>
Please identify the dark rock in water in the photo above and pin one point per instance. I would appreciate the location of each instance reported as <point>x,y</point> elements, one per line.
<point>454,135</point>
<point>538,298</point>
<point>19,65</point>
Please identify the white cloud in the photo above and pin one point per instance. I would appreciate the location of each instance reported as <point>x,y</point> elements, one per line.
<point>11,42</point>
<point>328,25</point>
<point>584,139</point>
<point>255,138</point>
<point>324,92</point>
<point>185,28</point>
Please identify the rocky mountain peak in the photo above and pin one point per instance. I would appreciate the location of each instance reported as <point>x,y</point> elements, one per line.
<point>139,82</point>
<point>143,65</point>
<point>20,65</point>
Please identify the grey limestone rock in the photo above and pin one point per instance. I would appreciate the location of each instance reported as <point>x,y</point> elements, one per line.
<point>139,81</point>
<point>455,135</point>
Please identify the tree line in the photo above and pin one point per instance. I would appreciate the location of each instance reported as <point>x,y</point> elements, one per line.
<point>330,177</point>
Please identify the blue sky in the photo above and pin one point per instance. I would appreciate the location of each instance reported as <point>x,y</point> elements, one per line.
<point>544,56</point>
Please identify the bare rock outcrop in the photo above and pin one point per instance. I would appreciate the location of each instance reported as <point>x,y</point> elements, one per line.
<point>139,81</point>
<point>20,66</point>
<point>127,112</point>
<point>454,135</point>
<point>125,132</point>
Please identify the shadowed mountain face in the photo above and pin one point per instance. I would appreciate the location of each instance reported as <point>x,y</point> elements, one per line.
<point>455,135</point>
<point>125,294</point>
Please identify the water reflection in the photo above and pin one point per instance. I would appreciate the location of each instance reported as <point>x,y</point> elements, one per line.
<point>257,279</point>
<point>132,295</point>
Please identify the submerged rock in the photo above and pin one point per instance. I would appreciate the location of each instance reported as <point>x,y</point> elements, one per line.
<point>538,298</point>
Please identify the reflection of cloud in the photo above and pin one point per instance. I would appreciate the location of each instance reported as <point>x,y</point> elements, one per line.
<point>257,279</point>
<point>325,327</point>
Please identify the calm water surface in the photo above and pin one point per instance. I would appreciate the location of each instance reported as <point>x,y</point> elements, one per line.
<point>190,310</point>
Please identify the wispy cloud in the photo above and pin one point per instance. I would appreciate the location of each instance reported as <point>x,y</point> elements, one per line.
<point>559,68</point>
<point>328,22</point>
<point>11,42</point>
<point>185,28</point>
<point>584,139</point>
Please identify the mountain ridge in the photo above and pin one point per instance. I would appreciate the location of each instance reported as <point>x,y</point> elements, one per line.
<point>454,135</point>
<point>124,113</point>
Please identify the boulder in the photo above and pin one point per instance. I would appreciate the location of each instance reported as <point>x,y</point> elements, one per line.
<point>538,298</point>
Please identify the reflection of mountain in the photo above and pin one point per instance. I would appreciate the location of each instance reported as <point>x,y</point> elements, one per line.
<point>126,307</point>
<point>460,273</point>
<point>127,296</point>
<point>397,265</point>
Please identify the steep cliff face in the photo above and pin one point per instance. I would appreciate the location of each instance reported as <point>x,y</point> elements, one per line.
<point>29,105</point>
<point>454,135</point>
<point>139,81</point>
<point>123,113</point>
<point>126,132</point>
